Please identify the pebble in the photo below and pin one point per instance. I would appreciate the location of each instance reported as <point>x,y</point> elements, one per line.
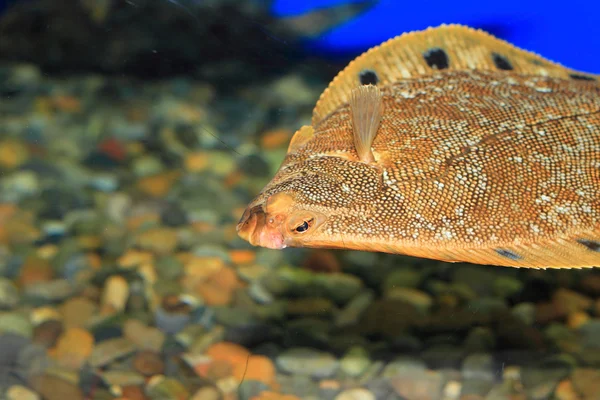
<point>355,362</point>
<point>9,294</point>
<point>420,300</point>
<point>354,309</point>
<point>307,361</point>
<point>355,394</point>
<point>77,312</point>
<point>148,363</point>
<point>115,294</point>
<point>160,387</point>
<point>18,392</point>
<point>74,347</point>
<point>144,337</point>
<point>54,388</point>
<point>110,350</point>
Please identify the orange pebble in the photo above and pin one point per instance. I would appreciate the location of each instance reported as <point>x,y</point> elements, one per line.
<point>35,270</point>
<point>258,368</point>
<point>158,185</point>
<point>226,279</point>
<point>74,347</point>
<point>268,395</point>
<point>275,138</point>
<point>228,351</point>
<point>196,162</point>
<point>242,256</point>
<point>214,295</point>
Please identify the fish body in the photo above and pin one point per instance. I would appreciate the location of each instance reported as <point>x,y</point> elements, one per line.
<point>446,144</point>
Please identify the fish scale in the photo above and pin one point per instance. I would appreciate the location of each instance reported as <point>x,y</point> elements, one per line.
<point>465,149</point>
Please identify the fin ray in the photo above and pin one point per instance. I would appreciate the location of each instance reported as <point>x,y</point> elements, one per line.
<point>366,108</point>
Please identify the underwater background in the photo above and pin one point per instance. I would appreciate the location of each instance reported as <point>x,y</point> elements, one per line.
<point>133,133</point>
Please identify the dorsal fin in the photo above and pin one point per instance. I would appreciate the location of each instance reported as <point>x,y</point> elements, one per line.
<point>447,47</point>
<point>366,109</point>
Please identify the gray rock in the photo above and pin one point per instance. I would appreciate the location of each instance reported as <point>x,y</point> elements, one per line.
<point>479,367</point>
<point>479,339</point>
<point>419,299</point>
<point>9,294</point>
<point>355,362</point>
<point>50,291</point>
<point>525,312</point>
<point>590,332</point>
<point>307,362</point>
<point>405,277</point>
<point>354,309</point>
<point>506,286</point>
<point>250,388</point>
<point>339,287</point>
<point>15,323</point>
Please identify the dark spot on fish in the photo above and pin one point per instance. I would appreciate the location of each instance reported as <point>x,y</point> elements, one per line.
<point>508,254</point>
<point>501,62</point>
<point>436,58</point>
<point>536,62</point>
<point>368,77</point>
<point>590,244</point>
<point>580,77</point>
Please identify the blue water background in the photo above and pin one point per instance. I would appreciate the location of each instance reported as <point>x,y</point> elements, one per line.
<point>567,32</point>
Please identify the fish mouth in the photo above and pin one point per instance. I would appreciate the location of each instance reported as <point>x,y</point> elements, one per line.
<point>256,228</point>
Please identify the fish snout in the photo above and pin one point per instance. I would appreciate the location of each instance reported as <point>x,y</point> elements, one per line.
<point>258,230</point>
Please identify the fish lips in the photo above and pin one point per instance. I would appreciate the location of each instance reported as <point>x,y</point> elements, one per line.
<point>255,228</point>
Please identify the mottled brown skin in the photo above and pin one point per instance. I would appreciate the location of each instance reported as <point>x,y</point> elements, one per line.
<point>490,167</point>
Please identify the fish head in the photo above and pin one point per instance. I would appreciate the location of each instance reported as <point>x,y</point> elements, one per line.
<point>310,197</point>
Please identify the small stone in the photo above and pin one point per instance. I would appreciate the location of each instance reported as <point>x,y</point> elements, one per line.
<point>158,185</point>
<point>77,312</point>
<point>571,301</point>
<point>211,393</point>
<point>47,333</point>
<point>418,385</point>
<point>421,300</point>
<point>256,368</point>
<point>122,378</point>
<point>586,381</point>
<point>17,323</point>
<point>74,347</point>
<point>355,394</point>
<point>35,270</point>
<point>339,287</point>
<point>158,240</point>
<point>51,291</point>
<point>577,319</point>
<point>309,362</point>
<point>589,333</point>
<point>162,388</point>
<point>145,337</point>
<point>310,306</point>
<point>275,138</point>
<point>355,362</point>
<point>18,392</point>
<point>172,315</point>
<point>9,294</point>
<point>402,277</point>
<point>507,286</point>
<point>565,391</point>
<point>480,339</point>
<point>354,309</point>
<point>110,350</point>
<point>526,312</point>
<point>148,363</point>
<point>115,294</point>
<point>479,367</point>
<point>54,388</point>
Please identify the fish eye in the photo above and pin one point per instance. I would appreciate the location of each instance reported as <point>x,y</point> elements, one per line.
<point>303,227</point>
